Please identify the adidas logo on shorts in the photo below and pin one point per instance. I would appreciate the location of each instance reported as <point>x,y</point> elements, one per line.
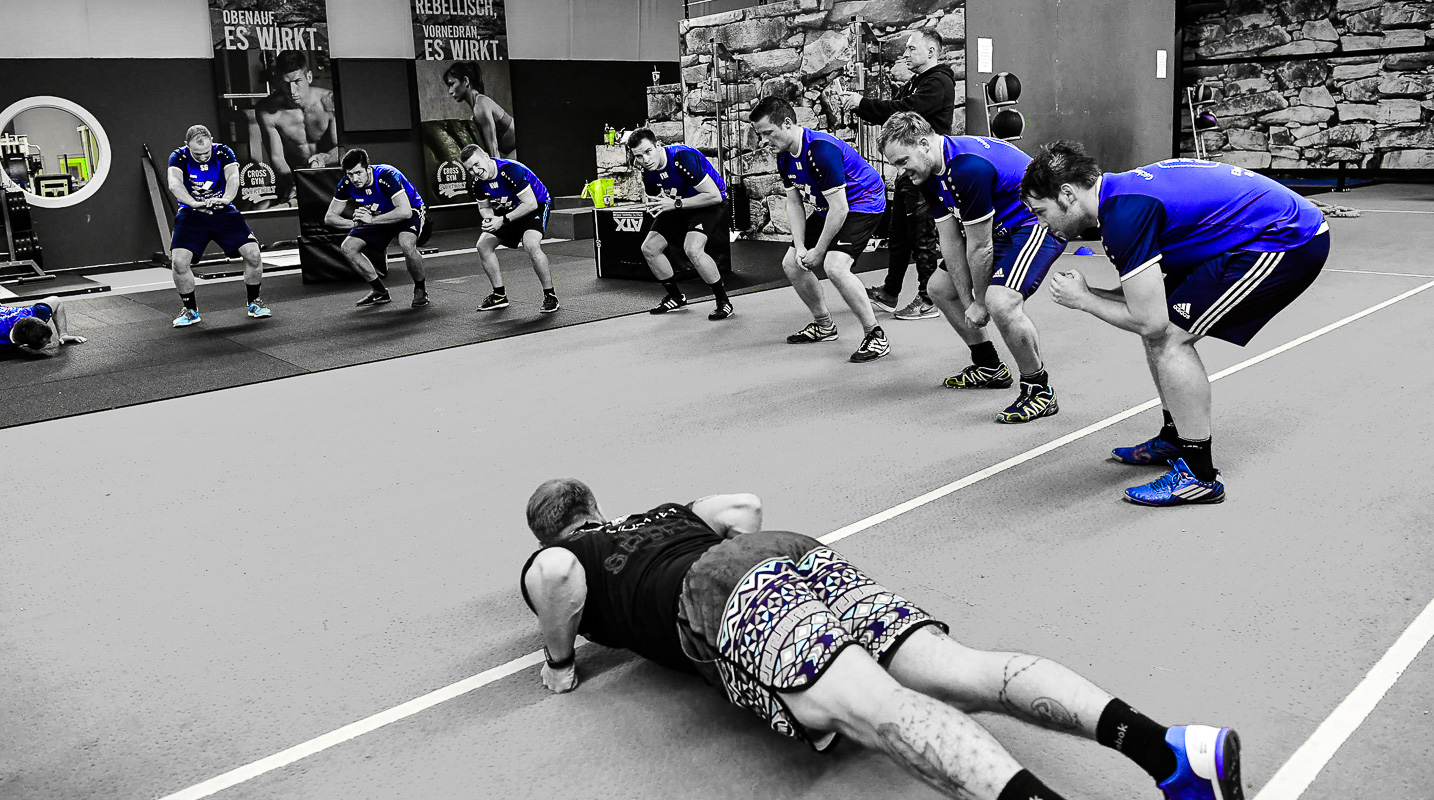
<point>1000,273</point>
<point>1183,309</point>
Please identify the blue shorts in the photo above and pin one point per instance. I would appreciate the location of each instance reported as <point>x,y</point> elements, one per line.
<point>380,236</point>
<point>1232,296</point>
<point>194,230</point>
<point>1023,260</point>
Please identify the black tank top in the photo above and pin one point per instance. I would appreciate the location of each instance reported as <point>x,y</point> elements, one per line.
<point>634,568</point>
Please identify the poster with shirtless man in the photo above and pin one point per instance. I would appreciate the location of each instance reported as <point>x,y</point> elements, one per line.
<point>276,94</point>
<point>464,93</point>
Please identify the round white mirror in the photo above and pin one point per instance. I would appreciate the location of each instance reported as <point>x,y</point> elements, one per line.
<point>53,149</point>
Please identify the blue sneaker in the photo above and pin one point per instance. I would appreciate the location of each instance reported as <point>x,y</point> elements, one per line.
<point>1155,451</point>
<point>1177,487</point>
<point>189,317</point>
<point>258,310</point>
<point>1207,764</point>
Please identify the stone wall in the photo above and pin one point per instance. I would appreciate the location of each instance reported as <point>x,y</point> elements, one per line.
<point>796,49</point>
<point>1341,98</point>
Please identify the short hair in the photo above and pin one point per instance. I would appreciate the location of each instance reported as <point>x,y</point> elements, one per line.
<point>357,157</point>
<point>636,137</point>
<point>1057,164</point>
<point>905,127</point>
<point>459,70</point>
<point>290,60</point>
<point>775,109</point>
<point>196,130</point>
<point>557,504</point>
<point>930,36</point>
<point>31,332</point>
<point>468,151</point>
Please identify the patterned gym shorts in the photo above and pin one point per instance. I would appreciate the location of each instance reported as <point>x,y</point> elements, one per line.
<point>768,612</point>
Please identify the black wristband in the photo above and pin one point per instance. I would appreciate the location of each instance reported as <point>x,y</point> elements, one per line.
<point>564,664</point>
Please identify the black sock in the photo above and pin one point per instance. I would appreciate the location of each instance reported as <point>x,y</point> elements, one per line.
<point>984,354</point>
<point>501,291</point>
<point>551,292</point>
<point>1197,457</point>
<point>1136,736</point>
<point>189,301</point>
<point>378,287</point>
<point>672,291</point>
<point>420,287</point>
<point>1039,377</point>
<point>876,329</point>
<point>824,322</point>
<point>1025,786</point>
<point>1167,431</point>
<point>719,292</point>
<point>253,290</point>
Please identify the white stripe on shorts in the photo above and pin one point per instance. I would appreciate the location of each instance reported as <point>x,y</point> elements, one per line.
<point>1251,280</point>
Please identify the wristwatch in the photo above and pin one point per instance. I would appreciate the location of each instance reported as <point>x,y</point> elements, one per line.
<point>677,203</point>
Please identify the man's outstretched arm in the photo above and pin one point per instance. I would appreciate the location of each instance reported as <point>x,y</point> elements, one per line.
<point>730,514</point>
<point>557,589</point>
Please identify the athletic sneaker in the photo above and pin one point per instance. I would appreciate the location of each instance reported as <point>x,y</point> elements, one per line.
<point>873,346</point>
<point>974,377</point>
<point>1034,402</point>
<point>1207,764</point>
<point>722,312</point>
<point>669,303</point>
<point>813,333</point>
<point>493,302</point>
<point>919,309</point>
<point>187,318</point>
<point>420,299</point>
<point>880,299</point>
<point>1178,487</point>
<point>1154,451</point>
<point>374,299</point>
<point>258,310</point>
<point>550,304</point>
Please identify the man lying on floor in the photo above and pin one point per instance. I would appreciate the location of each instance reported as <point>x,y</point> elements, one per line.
<point>790,630</point>
<point>27,328</point>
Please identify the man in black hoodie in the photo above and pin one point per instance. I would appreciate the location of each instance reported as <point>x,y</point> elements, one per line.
<point>931,92</point>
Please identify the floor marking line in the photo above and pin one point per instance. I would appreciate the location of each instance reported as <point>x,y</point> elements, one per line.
<point>355,729</point>
<point>1372,272</point>
<point>1305,764</point>
<point>1391,211</point>
<point>368,724</point>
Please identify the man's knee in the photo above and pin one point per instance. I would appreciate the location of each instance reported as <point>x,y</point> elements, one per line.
<point>790,264</point>
<point>352,246</point>
<point>695,250</point>
<point>849,697</point>
<point>653,247</point>
<point>837,264</point>
<point>1004,303</point>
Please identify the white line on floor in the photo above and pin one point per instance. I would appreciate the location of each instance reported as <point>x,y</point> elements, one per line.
<point>1300,770</point>
<point>1390,211</point>
<point>1372,272</point>
<point>368,724</point>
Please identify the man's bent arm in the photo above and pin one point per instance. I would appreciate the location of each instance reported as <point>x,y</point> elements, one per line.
<point>177,188</point>
<point>730,514</point>
<point>837,209</point>
<point>707,195</point>
<point>558,588</point>
<point>980,257</point>
<point>953,249</point>
<point>334,217</point>
<point>527,204</point>
<point>401,210</point>
<point>797,219</point>
<point>231,183</point>
<point>1143,309</point>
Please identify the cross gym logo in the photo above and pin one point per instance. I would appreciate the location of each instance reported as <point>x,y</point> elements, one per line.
<point>451,180</point>
<point>258,183</point>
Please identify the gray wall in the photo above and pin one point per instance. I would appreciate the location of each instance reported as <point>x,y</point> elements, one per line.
<point>607,30</point>
<point>1087,71</point>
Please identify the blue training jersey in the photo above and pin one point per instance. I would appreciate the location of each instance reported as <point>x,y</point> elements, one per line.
<point>204,179</point>
<point>1183,212</point>
<point>504,188</point>
<point>686,167</point>
<point>826,163</point>
<point>9,315</point>
<point>981,180</point>
<point>378,194</point>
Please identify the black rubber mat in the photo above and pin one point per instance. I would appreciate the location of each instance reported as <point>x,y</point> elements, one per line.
<point>134,354</point>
